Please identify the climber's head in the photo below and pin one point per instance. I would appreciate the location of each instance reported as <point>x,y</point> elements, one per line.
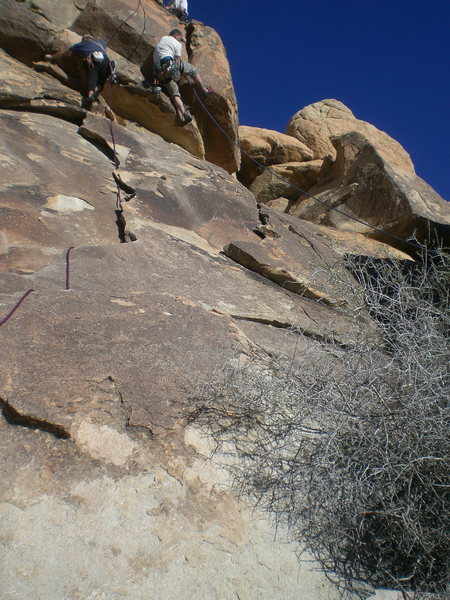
<point>176,33</point>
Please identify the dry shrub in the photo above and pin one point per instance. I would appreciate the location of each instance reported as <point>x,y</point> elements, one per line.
<point>352,452</point>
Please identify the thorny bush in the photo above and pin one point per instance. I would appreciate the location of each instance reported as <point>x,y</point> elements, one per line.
<point>351,450</point>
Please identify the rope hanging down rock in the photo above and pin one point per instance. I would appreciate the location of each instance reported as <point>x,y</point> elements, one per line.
<point>16,306</point>
<point>117,179</point>
<point>30,291</point>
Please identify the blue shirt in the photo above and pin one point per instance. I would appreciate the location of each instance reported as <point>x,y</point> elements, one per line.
<point>87,47</point>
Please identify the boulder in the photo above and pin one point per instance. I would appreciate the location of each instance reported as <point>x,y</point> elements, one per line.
<point>317,123</point>
<point>294,257</point>
<point>268,147</point>
<point>130,29</point>
<point>281,204</point>
<point>99,471</point>
<point>365,186</point>
<point>24,34</point>
<point>23,88</point>
<point>62,14</point>
<point>279,180</point>
<point>345,243</point>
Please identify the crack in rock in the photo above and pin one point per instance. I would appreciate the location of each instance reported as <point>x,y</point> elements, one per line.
<point>14,417</point>
<point>264,321</point>
<point>314,335</point>
<point>102,145</point>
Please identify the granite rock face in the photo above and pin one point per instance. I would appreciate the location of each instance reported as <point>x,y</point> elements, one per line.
<point>99,361</point>
<point>98,465</point>
<point>207,54</point>
<point>28,31</point>
<point>317,123</point>
<point>363,184</point>
<point>286,180</point>
<point>268,148</point>
<point>131,271</point>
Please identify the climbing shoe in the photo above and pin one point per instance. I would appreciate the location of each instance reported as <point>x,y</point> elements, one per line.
<point>86,103</point>
<point>186,118</point>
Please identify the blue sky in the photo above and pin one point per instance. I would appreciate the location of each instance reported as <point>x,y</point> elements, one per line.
<point>388,61</point>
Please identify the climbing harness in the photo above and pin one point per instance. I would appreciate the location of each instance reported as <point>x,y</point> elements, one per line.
<point>181,15</point>
<point>171,69</point>
<point>112,72</point>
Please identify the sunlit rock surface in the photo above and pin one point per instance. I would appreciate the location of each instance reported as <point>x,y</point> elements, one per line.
<point>132,270</point>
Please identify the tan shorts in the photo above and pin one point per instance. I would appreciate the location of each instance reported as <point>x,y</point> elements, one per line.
<point>171,87</point>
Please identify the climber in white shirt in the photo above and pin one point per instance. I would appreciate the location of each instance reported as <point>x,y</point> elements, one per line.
<point>180,9</point>
<point>169,68</point>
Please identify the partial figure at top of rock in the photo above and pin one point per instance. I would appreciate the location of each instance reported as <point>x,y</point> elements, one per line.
<point>317,123</point>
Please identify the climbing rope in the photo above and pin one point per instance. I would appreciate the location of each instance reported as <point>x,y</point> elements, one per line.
<point>116,158</point>
<point>28,292</point>
<point>68,267</point>
<point>142,32</point>
<point>296,187</point>
<point>122,23</point>
<point>116,176</point>
<point>16,306</point>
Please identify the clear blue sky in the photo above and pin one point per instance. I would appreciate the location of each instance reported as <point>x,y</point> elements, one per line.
<point>388,61</point>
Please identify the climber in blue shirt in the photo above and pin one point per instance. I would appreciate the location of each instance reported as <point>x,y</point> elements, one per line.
<point>95,62</point>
